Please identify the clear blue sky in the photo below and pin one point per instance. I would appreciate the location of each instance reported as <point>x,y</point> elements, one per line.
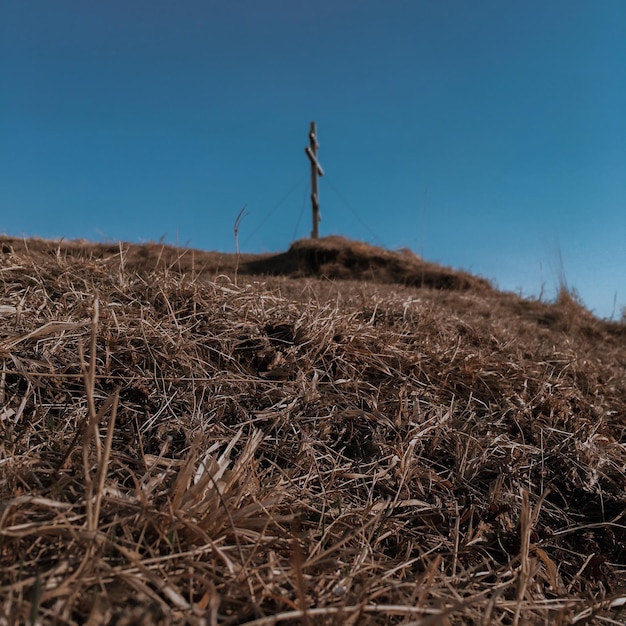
<point>487,135</point>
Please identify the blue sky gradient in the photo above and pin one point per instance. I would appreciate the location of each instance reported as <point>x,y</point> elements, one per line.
<point>489,135</point>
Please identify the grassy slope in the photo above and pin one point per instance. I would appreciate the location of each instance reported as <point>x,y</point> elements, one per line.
<point>199,448</point>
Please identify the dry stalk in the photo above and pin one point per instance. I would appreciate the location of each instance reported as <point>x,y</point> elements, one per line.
<point>238,219</point>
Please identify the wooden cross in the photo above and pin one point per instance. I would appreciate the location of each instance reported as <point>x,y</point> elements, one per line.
<point>316,170</point>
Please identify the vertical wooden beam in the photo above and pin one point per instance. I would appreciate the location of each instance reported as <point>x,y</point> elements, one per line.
<point>316,170</point>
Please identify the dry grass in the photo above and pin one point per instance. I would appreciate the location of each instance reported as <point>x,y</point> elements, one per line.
<point>179,449</point>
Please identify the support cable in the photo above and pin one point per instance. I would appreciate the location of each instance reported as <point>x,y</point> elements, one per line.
<point>304,199</point>
<point>273,210</point>
<point>352,210</point>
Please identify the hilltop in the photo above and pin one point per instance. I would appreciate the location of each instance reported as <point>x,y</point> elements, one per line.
<point>331,257</point>
<point>336,434</point>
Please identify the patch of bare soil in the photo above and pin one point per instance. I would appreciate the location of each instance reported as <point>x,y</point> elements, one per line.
<point>336,435</point>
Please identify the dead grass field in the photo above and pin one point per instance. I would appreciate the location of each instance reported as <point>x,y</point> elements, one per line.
<point>336,435</point>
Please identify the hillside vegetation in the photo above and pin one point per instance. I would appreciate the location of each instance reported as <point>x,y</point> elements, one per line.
<point>338,434</point>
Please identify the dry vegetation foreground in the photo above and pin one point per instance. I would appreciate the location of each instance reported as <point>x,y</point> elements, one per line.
<point>182,445</point>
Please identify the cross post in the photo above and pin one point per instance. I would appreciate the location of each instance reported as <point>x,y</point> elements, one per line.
<point>316,170</point>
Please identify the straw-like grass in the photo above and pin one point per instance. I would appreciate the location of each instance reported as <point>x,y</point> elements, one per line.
<point>176,448</point>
